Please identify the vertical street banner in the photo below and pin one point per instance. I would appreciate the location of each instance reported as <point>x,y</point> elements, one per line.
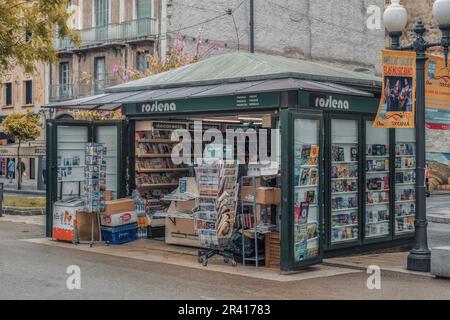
<point>397,103</point>
<point>437,93</point>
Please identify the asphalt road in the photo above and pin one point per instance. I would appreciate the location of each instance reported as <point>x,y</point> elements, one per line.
<point>32,271</point>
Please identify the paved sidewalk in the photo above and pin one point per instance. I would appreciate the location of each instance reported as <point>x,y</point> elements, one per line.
<point>34,220</point>
<point>158,251</point>
<point>394,262</point>
<point>438,209</point>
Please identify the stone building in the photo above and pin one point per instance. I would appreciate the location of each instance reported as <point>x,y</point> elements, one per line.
<point>22,92</point>
<point>116,35</point>
<point>328,31</point>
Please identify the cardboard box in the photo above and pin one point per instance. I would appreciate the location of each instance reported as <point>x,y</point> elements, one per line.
<point>267,121</point>
<point>108,195</point>
<point>84,226</point>
<point>247,193</point>
<point>118,206</point>
<point>181,231</point>
<point>276,195</point>
<point>264,195</point>
<point>268,195</point>
<point>181,206</point>
<point>118,219</point>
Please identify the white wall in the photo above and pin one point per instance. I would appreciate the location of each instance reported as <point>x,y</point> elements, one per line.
<point>331,31</point>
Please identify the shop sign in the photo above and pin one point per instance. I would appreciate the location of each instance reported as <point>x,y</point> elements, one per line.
<point>158,107</point>
<point>205,126</point>
<point>328,102</point>
<point>168,126</point>
<point>24,151</point>
<point>207,104</point>
<point>397,104</point>
<point>338,103</point>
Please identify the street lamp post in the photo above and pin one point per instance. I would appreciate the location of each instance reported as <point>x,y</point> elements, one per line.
<point>395,20</point>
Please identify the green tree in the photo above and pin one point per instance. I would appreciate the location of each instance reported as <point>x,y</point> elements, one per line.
<point>22,128</point>
<point>27,30</point>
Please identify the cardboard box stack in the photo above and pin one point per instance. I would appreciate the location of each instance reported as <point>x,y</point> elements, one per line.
<point>118,221</point>
<point>179,220</point>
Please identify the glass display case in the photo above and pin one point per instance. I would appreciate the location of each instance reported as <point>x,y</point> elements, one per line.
<point>405,181</point>
<point>108,136</point>
<point>344,221</point>
<point>377,182</point>
<point>70,160</point>
<point>306,188</point>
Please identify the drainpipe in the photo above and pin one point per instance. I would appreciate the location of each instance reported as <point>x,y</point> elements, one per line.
<point>252,28</point>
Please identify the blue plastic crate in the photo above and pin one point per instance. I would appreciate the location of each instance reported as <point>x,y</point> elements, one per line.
<point>121,234</point>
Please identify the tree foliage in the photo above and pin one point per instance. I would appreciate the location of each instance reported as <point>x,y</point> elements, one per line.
<point>27,30</point>
<point>179,55</point>
<point>22,127</point>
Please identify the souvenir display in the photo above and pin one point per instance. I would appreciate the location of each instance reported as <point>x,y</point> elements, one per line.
<point>94,177</point>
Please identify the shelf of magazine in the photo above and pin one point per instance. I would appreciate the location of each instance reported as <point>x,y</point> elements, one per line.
<point>215,211</point>
<point>405,180</point>
<point>306,209</point>
<point>156,174</point>
<point>344,192</point>
<point>377,212</point>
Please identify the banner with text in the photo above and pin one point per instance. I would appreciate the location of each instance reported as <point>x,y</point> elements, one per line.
<point>396,109</point>
<point>437,93</point>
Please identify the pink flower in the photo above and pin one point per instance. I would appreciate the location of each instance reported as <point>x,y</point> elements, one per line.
<point>116,70</point>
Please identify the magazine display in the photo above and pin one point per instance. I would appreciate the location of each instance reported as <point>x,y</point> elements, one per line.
<point>344,190</point>
<point>306,179</point>
<point>377,190</point>
<point>405,181</point>
<point>215,210</point>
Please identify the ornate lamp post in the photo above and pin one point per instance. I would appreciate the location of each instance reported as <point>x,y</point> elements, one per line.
<point>395,20</point>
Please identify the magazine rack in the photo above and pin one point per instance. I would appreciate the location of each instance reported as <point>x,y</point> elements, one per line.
<point>215,210</point>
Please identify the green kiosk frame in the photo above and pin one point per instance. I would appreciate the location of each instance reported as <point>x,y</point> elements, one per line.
<point>318,110</point>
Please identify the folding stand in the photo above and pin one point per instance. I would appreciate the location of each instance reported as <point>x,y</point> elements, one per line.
<point>205,254</point>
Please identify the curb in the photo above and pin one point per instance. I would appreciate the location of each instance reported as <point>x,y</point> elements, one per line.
<point>17,211</point>
<point>438,218</point>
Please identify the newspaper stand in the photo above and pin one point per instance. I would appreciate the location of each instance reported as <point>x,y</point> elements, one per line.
<point>215,210</point>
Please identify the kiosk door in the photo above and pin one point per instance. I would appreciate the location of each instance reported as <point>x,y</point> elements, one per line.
<point>302,210</point>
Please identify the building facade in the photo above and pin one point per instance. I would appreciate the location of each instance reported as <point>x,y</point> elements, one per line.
<point>116,36</point>
<point>328,31</point>
<point>22,92</point>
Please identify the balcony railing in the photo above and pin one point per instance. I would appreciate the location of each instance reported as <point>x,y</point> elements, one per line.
<point>127,30</point>
<point>69,91</point>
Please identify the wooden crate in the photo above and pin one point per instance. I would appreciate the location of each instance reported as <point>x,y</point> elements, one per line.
<point>272,250</point>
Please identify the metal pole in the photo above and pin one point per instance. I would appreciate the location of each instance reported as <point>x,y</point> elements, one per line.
<point>419,258</point>
<point>252,28</point>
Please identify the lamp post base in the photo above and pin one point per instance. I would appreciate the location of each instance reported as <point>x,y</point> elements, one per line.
<point>419,261</point>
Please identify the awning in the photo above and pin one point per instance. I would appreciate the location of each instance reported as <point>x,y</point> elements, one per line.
<point>112,101</point>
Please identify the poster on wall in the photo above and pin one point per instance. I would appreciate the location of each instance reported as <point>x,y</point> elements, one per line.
<point>397,105</point>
